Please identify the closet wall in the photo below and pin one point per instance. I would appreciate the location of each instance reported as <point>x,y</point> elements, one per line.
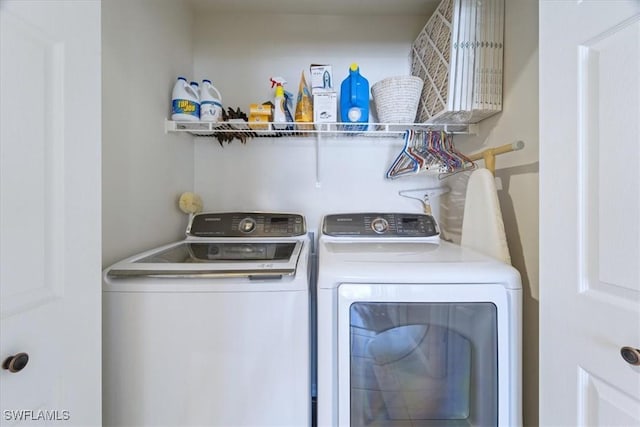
<point>147,43</point>
<point>300,174</point>
<point>517,173</point>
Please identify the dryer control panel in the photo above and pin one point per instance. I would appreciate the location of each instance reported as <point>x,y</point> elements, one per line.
<point>246,224</point>
<point>380,225</point>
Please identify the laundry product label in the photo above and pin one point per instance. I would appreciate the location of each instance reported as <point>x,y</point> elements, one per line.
<point>185,106</point>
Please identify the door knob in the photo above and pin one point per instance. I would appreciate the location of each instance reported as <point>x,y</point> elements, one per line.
<point>631,355</point>
<point>16,363</point>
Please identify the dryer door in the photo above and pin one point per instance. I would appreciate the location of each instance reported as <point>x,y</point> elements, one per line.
<point>423,353</point>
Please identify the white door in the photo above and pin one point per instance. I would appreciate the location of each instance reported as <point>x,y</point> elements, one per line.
<point>589,212</point>
<point>50,212</point>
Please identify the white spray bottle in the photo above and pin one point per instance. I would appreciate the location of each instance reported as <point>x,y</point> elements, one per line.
<point>279,103</point>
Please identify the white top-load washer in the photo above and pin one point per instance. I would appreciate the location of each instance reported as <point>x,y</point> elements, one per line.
<point>413,330</point>
<point>212,330</point>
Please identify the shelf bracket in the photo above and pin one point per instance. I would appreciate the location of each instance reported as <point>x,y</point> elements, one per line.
<point>318,180</point>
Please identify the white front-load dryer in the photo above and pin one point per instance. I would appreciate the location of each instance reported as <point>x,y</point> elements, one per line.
<point>212,330</point>
<point>413,330</point>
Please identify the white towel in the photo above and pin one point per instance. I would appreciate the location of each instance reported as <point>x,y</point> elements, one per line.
<point>482,225</point>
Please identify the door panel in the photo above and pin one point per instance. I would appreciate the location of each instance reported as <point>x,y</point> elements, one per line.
<point>603,404</point>
<point>590,211</point>
<point>608,126</point>
<point>32,169</point>
<point>50,211</point>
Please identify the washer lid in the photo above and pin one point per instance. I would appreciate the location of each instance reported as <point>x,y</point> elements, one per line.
<point>212,258</point>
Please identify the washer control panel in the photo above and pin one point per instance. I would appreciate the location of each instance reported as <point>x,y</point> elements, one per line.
<point>246,224</point>
<point>380,225</point>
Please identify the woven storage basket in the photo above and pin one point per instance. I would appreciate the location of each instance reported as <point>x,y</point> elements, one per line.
<point>396,98</point>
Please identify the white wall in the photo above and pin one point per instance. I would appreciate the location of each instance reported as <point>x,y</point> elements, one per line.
<point>146,44</point>
<point>281,176</point>
<point>271,174</point>
<point>275,175</point>
<point>239,52</point>
<point>517,173</point>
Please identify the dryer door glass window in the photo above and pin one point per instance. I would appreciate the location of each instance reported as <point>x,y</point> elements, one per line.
<point>423,364</point>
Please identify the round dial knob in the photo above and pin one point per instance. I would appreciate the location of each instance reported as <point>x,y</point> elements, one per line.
<point>380,225</point>
<point>247,225</point>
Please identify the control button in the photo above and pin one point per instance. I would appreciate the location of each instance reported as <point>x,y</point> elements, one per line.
<point>379,225</point>
<point>247,225</point>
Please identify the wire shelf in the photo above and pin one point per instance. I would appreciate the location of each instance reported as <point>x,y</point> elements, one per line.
<point>270,130</point>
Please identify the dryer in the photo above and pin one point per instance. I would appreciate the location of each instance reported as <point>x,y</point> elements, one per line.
<point>212,330</point>
<point>413,330</point>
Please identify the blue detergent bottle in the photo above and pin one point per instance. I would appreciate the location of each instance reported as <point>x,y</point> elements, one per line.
<point>354,98</point>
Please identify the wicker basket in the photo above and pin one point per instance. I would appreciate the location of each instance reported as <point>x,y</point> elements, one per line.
<point>396,98</point>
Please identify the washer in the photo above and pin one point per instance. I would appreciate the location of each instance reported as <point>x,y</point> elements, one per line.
<point>211,330</point>
<point>413,330</point>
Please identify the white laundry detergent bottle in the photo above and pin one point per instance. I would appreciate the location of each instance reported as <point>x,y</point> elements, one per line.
<point>196,89</point>
<point>210,103</point>
<point>185,105</point>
